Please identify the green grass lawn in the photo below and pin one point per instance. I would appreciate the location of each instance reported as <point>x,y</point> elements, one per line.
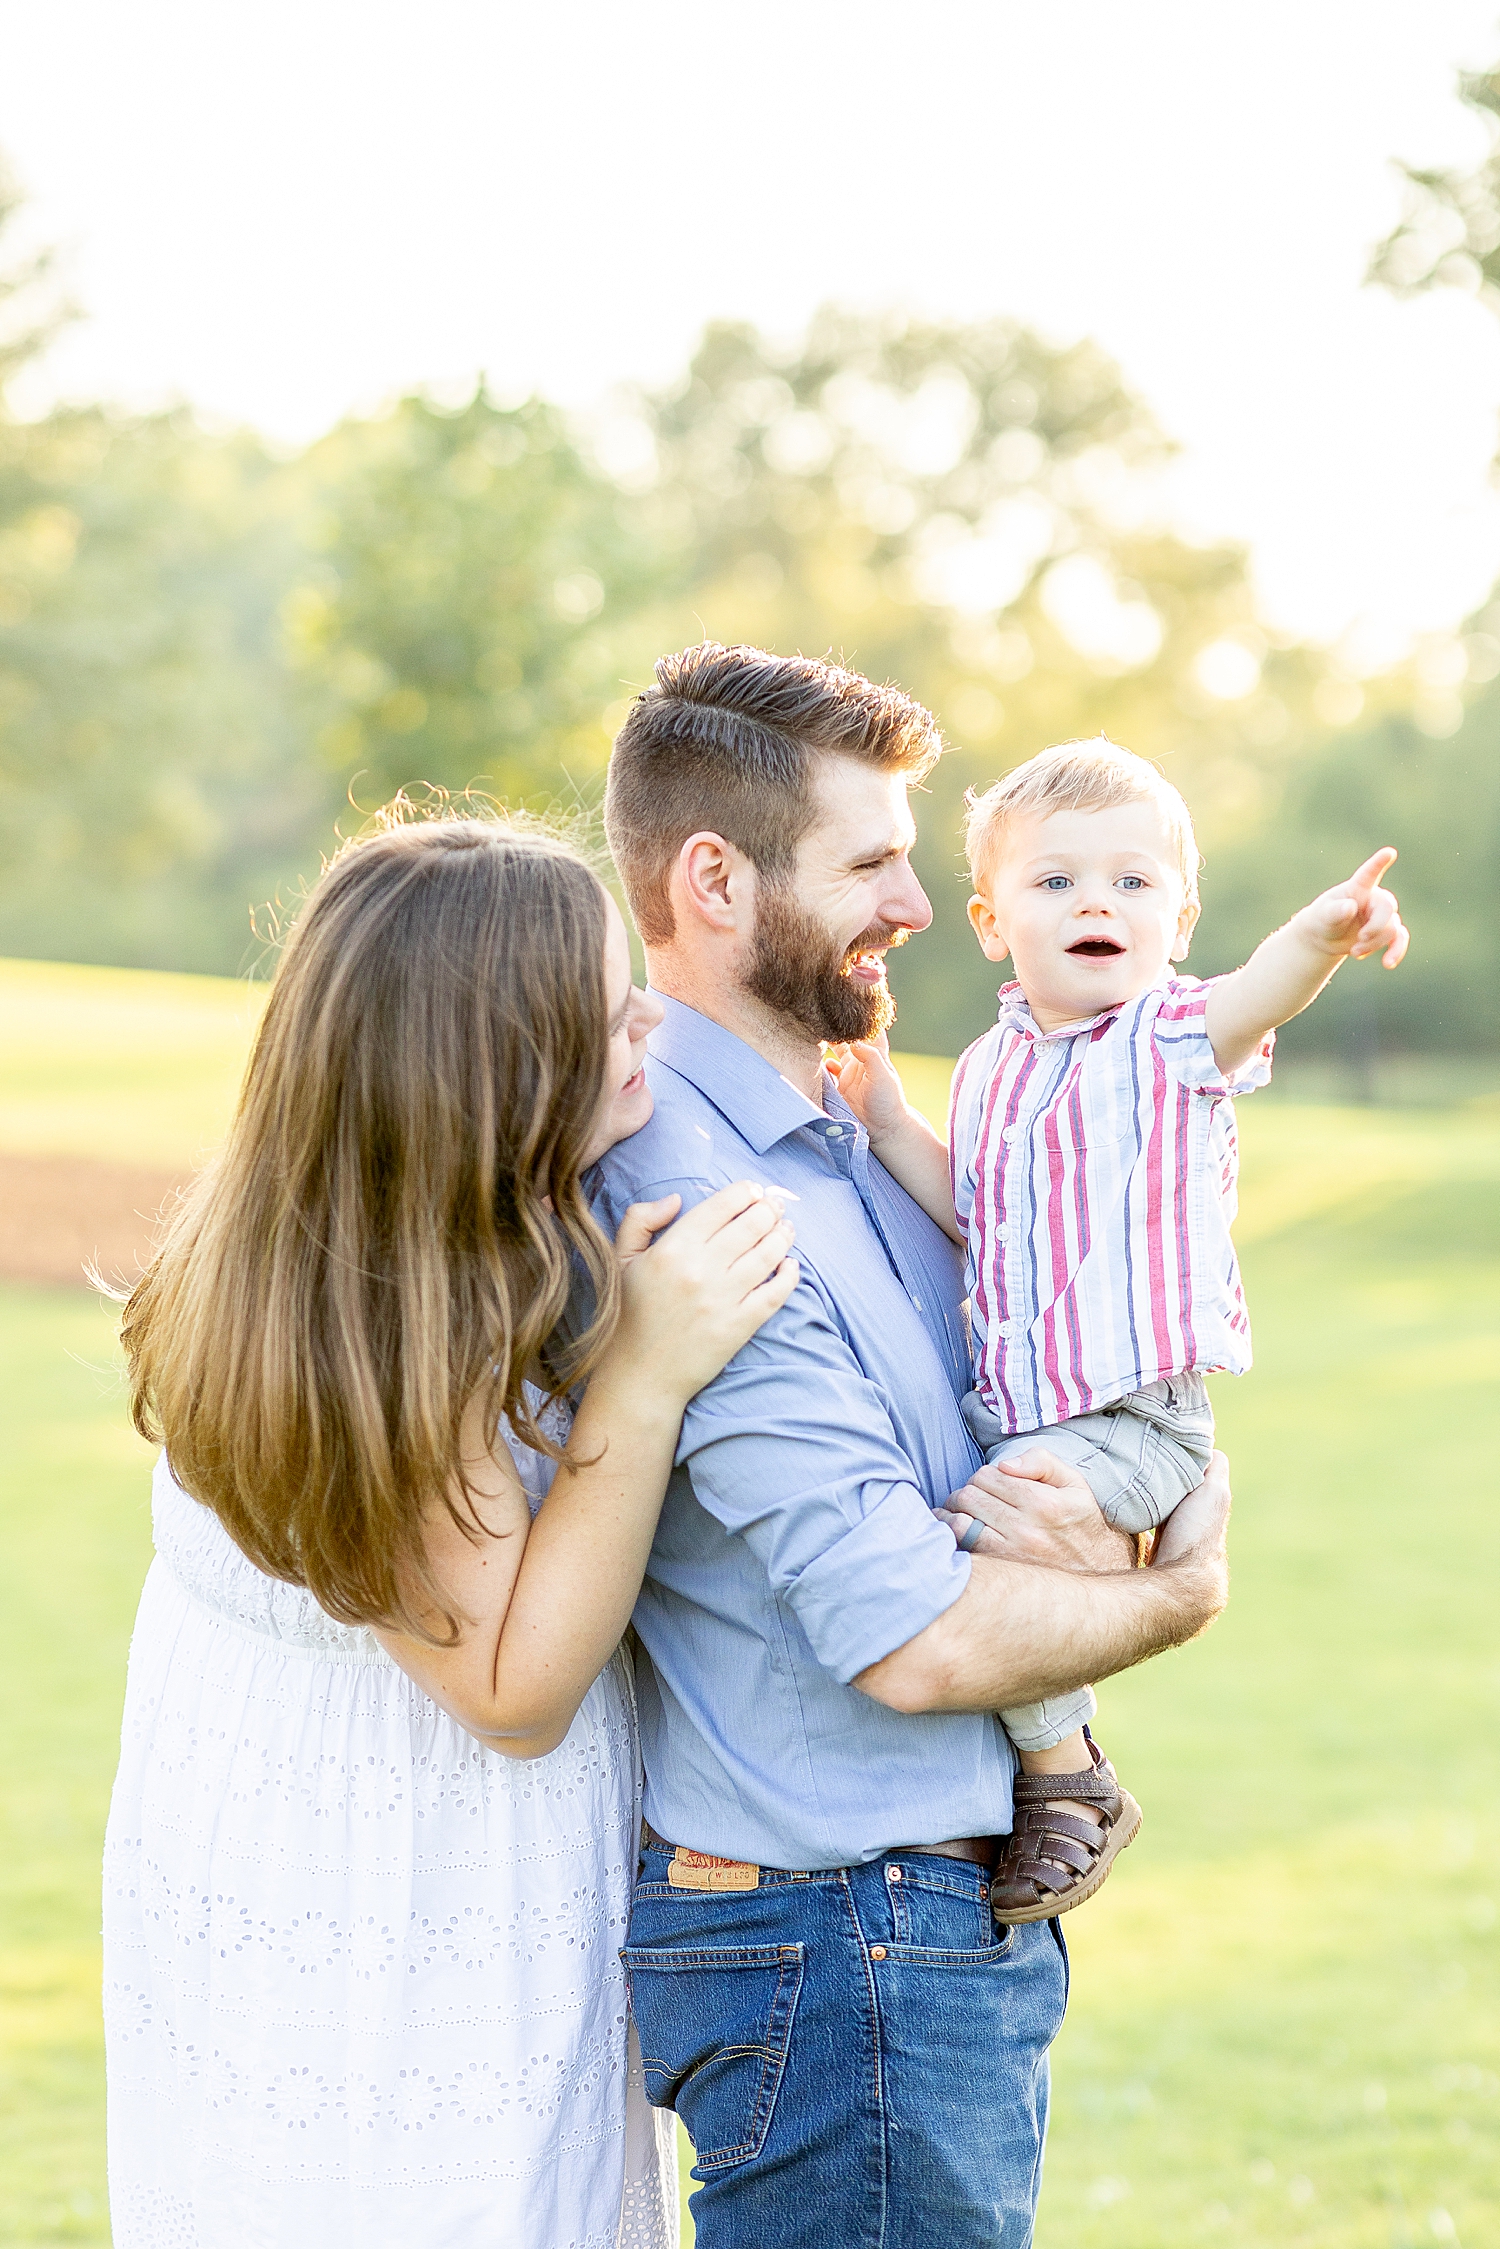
<point>1286,2006</point>
<point>120,1063</point>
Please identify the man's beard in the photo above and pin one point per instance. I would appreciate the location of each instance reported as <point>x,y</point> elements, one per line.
<point>799,970</point>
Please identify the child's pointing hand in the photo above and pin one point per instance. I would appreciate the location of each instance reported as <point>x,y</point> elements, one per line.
<point>1358,917</point>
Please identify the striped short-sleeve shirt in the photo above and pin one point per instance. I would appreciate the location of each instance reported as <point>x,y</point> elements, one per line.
<point>1094,1175</point>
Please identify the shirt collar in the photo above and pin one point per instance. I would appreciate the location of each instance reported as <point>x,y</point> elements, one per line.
<point>757,1100</point>
<point>1016,1015</point>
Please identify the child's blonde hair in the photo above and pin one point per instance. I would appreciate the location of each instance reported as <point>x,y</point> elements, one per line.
<point>1077,777</point>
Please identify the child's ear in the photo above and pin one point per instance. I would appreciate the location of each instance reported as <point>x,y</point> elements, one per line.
<point>992,940</point>
<point>1187,921</point>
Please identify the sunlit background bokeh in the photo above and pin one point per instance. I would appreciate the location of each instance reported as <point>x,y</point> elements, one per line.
<point>383,390</point>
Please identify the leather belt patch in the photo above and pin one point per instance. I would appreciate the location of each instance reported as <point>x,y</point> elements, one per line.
<point>698,1870</point>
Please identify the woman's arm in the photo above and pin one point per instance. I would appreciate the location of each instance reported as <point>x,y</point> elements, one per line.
<point>542,1605</point>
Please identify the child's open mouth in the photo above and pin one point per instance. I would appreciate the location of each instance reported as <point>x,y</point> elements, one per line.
<point>1095,949</point>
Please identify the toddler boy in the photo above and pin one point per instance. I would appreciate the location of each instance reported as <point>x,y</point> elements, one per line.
<point>1090,1174</point>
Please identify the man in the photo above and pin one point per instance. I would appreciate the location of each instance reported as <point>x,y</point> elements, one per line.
<point>821,1993</point>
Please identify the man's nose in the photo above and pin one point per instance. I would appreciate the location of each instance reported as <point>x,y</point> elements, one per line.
<point>906,904</point>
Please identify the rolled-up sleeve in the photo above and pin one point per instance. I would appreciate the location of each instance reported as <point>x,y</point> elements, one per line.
<point>793,1449</point>
<point>853,1547</point>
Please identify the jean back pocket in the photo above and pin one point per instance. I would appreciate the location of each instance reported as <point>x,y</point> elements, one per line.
<point>715,2026</point>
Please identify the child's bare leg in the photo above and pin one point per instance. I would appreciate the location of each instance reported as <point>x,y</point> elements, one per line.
<point>1070,1756</point>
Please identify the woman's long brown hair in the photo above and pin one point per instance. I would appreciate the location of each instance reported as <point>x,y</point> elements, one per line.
<point>374,1247</point>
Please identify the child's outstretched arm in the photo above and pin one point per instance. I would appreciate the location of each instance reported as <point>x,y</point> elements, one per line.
<point>903,1140</point>
<point>1286,973</point>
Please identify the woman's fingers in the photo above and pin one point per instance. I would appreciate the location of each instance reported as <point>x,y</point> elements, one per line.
<point>737,1236</point>
<point>761,1259</point>
<point>724,1206</point>
<point>773,1292</point>
<point>757,1306</point>
<point>731,1243</point>
<point>642,1221</point>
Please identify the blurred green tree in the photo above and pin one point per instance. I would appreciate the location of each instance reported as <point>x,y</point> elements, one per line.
<point>147,757</point>
<point>207,652</point>
<point>457,609</point>
<point>982,516</point>
<point>147,749</point>
<point>1449,234</point>
<point>1438,801</point>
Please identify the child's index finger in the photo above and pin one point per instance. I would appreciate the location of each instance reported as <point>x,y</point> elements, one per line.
<point>1367,876</point>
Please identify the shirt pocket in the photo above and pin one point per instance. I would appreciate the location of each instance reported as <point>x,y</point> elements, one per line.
<point>715,2026</point>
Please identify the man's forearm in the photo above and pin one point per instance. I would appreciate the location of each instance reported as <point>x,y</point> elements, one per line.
<point>1021,1632</point>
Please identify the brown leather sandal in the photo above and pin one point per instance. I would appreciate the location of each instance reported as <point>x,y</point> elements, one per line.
<point>1052,1862</point>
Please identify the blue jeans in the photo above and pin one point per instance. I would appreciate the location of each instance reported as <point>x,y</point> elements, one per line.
<point>860,2064</point>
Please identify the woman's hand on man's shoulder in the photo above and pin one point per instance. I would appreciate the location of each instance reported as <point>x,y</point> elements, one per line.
<point>699,1285</point>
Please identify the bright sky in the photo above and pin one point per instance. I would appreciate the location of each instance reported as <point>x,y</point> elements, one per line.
<point>286,209</point>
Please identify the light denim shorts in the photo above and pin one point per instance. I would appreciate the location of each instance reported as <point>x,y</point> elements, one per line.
<point>1140,1456</point>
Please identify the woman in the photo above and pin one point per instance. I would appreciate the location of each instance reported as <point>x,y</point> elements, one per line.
<point>371,1843</point>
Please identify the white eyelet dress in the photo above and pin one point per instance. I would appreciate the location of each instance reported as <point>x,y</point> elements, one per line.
<point>360,1973</point>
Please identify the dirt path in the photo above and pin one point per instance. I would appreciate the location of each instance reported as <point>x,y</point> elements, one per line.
<point>61,1213</point>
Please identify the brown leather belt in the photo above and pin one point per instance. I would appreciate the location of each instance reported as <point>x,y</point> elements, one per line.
<point>979,1850</point>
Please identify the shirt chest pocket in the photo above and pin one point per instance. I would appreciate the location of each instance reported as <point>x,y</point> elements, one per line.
<point>1088,1120</point>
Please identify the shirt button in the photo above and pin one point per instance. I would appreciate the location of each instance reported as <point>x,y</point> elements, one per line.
<point>877,1952</point>
<point>1013,1132</point>
<point>917,1301</point>
<point>1006,1327</point>
<point>834,1132</point>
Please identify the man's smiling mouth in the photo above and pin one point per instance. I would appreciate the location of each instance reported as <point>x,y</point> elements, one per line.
<point>1095,949</point>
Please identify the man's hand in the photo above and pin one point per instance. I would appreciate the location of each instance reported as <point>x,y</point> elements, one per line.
<point>1018,1633</point>
<point>1036,1510</point>
<point>1197,1530</point>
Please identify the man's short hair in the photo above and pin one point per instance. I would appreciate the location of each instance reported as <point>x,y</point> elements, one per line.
<point>727,741</point>
<point>1077,777</point>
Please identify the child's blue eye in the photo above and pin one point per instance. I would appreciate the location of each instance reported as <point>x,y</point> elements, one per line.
<point>1132,882</point>
<point>1057,882</point>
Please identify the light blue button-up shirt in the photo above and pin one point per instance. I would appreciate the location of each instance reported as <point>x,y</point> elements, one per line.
<point>797,1542</point>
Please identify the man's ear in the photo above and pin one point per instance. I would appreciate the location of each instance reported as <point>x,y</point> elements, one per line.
<point>1187,922</point>
<point>992,939</point>
<point>714,883</point>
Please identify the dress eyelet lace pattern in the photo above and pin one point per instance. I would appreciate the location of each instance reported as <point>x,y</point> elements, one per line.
<point>361,1974</point>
